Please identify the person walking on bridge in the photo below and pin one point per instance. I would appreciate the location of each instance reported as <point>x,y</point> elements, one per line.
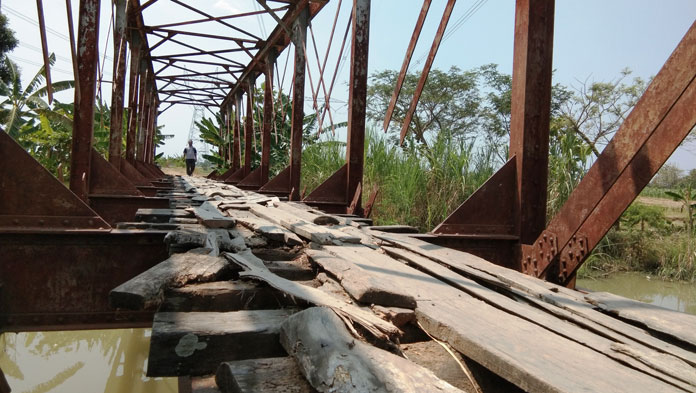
<point>190,157</point>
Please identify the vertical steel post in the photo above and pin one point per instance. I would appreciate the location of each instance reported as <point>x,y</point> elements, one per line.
<point>299,40</point>
<point>267,116</point>
<point>228,131</point>
<point>144,109</point>
<point>355,148</point>
<point>44,49</point>
<point>236,146</point>
<point>153,126</point>
<point>118,86</point>
<point>133,84</point>
<point>83,119</point>
<point>531,106</point>
<point>248,127</point>
<point>221,133</point>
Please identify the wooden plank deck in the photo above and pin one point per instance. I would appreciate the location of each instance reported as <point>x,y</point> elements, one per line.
<point>532,334</point>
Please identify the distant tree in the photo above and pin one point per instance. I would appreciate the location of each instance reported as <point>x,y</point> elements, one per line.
<point>667,177</point>
<point>596,110</point>
<point>7,43</point>
<point>450,101</point>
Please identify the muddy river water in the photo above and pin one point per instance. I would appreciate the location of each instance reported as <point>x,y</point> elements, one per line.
<point>114,361</point>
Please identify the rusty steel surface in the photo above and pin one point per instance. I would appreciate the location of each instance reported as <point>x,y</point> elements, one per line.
<point>133,92</point>
<point>268,117</point>
<point>236,140</point>
<point>44,50</point>
<point>357,99</point>
<point>61,280</point>
<point>32,199</point>
<point>122,208</point>
<point>83,118</point>
<point>278,185</point>
<point>659,122</point>
<point>143,110</point>
<point>248,127</point>
<point>105,179</point>
<point>407,60</point>
<point>299,40</point>
<point>426,68</point>
<point>119,84</point>
<point>530,111</point>
<point>490,210</point>
<point>71,38</point>
<point>499,250</point>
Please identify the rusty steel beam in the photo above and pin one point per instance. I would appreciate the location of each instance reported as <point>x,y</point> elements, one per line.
<point>407,60</point>
<point>658,123</point>
<point>133,88</point>
<point>530,111</point>
<point>44,50</point>
<point>73,50</point>
<point>204,20</point>
<point>248,128</point>
<point>213,19</point>
<point>239,41</point>
<point>144,111</point>
<point>119,85</point>
<point>197,53</point>
<point>277,39</point>
<point>426,68</point>
<point>299,40</point>
<point>236,145</point>
<point>357,101</point>
<point>268,117</point>
<point>83,118</point>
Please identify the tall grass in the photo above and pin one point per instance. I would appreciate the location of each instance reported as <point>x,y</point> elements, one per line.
<point>417,187</point>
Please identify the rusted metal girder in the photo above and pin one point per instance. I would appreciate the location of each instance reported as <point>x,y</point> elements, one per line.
<point>426,68</point>
<point>342,192</point>
<point>236,140</point>
<point>60,280</point>
<point>530,111</point>
<point>143,110</point>
<point>83,119</point>
<point>133,89</point>
<point>248,127</point>
<point>268,117</point>
<point>299,40</point>
<point>653,130</point>
<point>44,50</point>
<point>119,84</point>
<point>407,60</point>
<point>73,49</point>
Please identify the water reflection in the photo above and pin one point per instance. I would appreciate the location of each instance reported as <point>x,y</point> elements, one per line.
<point>678,296</point>
<point>110,361</point>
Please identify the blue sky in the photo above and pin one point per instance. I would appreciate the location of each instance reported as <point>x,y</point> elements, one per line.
<point>594,40</point>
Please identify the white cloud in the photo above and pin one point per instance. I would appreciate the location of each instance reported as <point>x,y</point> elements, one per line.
<point>226,6</point>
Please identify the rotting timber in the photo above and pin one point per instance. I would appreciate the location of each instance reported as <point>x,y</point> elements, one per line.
<point>235,271</point>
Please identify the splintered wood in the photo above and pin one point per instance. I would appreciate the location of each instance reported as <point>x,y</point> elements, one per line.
<point>244,266</point>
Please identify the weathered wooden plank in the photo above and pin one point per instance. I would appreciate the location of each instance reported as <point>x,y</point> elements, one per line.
<point>160,215</point>
<point>306,229</point>
<point>196,343</point>
<point>304,213</point>
<point>265,227</point>
<point>556,296</point>
<point>363,284</point>
<point>255,269</point>
<point>294,270</point>
<point>146,290</point>
<point>333,360</point>
<point>270,375</point>
<point>214,239</point>
<point>435,358</point>
<point>224,296</point>
<point>662,366</point>
<point>209,216</point>
<point>673,323</point>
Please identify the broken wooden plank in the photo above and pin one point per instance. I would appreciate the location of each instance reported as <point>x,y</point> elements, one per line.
<point>269,375</point>
<point>224,296</point>
<point>303,228</point>
<point>215,240</point>
<point>303,212</point>
<point>209,216</point>
<point>554,298</point>
<point>265,228</point>
<point>145,291</point>
<point>294,270</point>
<point>333,360</point>
<point>255,269</point>
<point>662,366</point>
<point>672,323</point>
<point>196,343</point>
<point>364,285</point>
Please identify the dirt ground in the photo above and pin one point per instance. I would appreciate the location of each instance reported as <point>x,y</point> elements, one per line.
<point>662,202</point>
